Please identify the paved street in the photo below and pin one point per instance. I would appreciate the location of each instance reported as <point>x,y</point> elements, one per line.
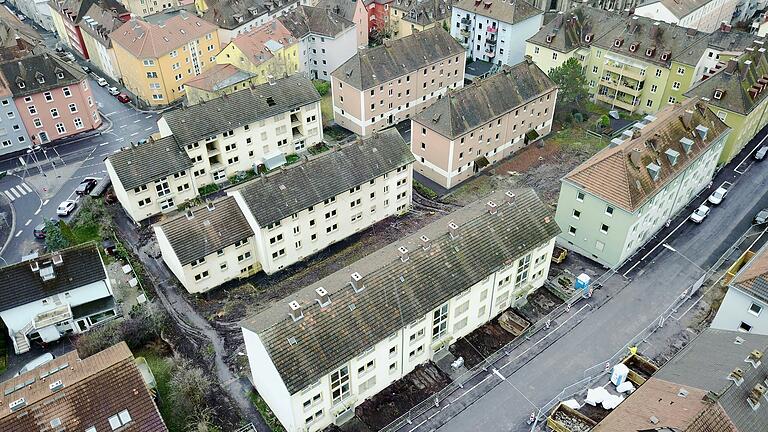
<point>35,194</point>
<point>532,380</point>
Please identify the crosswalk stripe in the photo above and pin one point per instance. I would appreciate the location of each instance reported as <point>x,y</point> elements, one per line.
<point>21,190</point>
<point>10,197</point>
<point>13,190</point>
<point>26,186</point>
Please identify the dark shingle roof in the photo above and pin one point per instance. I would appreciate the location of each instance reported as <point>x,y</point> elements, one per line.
<point>345,8</point>
<point>569,31</point>
<point>471,106</point>
<point>300,186</point>
<point>423,12</point>
<point>398,292</point>
<point>19,285</point>
<point>43,66</point>
<point>145,163</point>
<point>77,9</point>
<point>372,66</point>
<point>230,14</point>
<point>193,123</point>
<point>207,231</point>
<point>305,20</point>
<point>512,11</point>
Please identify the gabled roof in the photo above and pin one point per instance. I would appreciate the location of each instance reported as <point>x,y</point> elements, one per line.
<point>141,164</point>
<point>680,9</point>
<point>260,44</point>
<point>753,277</point>
<point>218,77</point>
<point>568,32</point>
<point>423,12</point>
<point>297,187</point>
<point>471,106</point>
<point>168,31</point>
<point>511,12</point>
<point>231,14</point>
<point>77,9</point>
<point>93,390</point>
<point>205,229</point>
<point>345,8</point>
<point>20,285</point>
<point>398,292</point>
<point>372,66</point>
<point>620,175</point>
<point>305,20</point>
<point>29,71</point>
<point>193,123</point>
<point>100,22</point>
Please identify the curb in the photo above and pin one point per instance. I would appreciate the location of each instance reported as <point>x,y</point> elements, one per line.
<point>13,229</point>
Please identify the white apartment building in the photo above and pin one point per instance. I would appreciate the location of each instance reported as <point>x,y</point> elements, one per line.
<point>272,222</point>
<point>702,15</point>
<point>745,306</point>
<point>326,39</point>
<point>320,353</point>
<point>492,30</point>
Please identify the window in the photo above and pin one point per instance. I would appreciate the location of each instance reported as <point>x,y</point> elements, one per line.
<point>331,228</point>
<point>120,419</point>
<point>676,85</point>
<point>594,69</point>
<point>364,369</point>
<point>340,384</point>
<point>609,211</point>
<point>522,269</point>
<point>439,322</point>
<point>32,109</point>
<point>654,87</point>
<point>78,123</point>
<point>576,214</point>
<point>48,96</point>
<point>330,214</point>
<point>755,309</point>
<point>649,103</point>
<point>604,228</point>
<point>277,238</point>
<point>67,92</point>
<point>672,100</point>
<point>60,128</point>
<point>278,254</point>
<point>149,62</point>
<point>744,327</point>
<point>658,73</point>
<point>580,197</point>
<point>244,257</point>
<point>72,108</point>
<point>572,230</point>
<point>54,113</point>
<point>681,70</point>
<point>151,74</point>
<point>554,56</point>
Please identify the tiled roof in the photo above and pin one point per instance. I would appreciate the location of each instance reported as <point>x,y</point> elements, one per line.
<point>345,8</point>
<point>140,164</point>
<point>94,389</point>
<point>207,231</point>
<point>100,22</point>
<point>297,187</point>
<point>512,11</point>
<point>423,12</point>
<point>397,291</point>
<point>145,39</point>
<point>372,66</point>
<point>753,278</point>
<point>619,174</point>
<point>260,43</point>
<point>678,8</point>
<point>77,9</point>
<point>19,285</point>
<point>32,69</point>
<point>471,106</point>
<point>569,31</point>
<point>218,77</point>
<point>230,14</point>
<point>193,123</point>
<point>315,20</point>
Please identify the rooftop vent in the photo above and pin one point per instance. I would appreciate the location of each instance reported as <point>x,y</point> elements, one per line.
<point>295,313</point>
<point>57,259</point>
<point>424,242</point>
<point>34,266</point>
<point>322,297</point>
<point>454,230</point>
<point>738,341</point>
<point>737,376</point>
<point>510,196</point>
<point>403,253</point>
<point>17,404</point>
<point>635,156</point>
<point>47,273</point>
<point>190,215</point>
<point>56,385</point>
<point>754,358</point>
<point>719,93</point>
<point>653,170</point>
<point>682,393</point>
<point>356,282</point>
<point>672,156</point>
<point>757,393</point>
<point>210,206</point>
<point>615,142</point>
<point>491,207</point>
<point>292,341</point>
<point>687,144</point>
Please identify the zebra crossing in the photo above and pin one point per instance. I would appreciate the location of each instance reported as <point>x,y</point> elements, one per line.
<point>17,192</point>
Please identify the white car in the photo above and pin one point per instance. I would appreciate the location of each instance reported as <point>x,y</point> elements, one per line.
<point>100,81</point>
<point>66,208</point>
<point>699,214</point>
<point>114,91</point>
<point>718,196</point>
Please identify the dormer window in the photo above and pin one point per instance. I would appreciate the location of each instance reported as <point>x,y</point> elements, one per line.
<point>549,38</point>
<point>718,94</point>
<point>664,56</point>
<point>60,75</point>
<point>20,83</point>
<point>650,51</point>
<point>618,42</point>
<point>588,38</point>
<point>40,78</point>
<point>633,46</point>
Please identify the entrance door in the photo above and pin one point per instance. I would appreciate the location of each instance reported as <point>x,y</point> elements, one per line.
<point>43,137</point>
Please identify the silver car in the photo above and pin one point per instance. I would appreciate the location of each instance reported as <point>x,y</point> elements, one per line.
<point>761,217</point>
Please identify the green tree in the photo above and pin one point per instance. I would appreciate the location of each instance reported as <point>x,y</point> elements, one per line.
<point>573,84</point>
<point>54,239</point>
<point>446,27</point>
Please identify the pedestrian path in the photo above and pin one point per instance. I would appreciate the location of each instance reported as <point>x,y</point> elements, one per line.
<point>17,191</point>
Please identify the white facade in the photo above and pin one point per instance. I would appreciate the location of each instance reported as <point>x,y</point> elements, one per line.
<point>37,10</point>
<point>488,39</point>
<point>314,408</point>
<point>320,55</point>
<point>226,35</point>
<point>743,312</point>
<point>706,18</point>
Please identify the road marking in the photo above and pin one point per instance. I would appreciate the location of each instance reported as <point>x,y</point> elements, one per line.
<point>18,233</point>
<point>109,114</point>
<point>149,116</point>
<point>120,139</point>
<point>37,211</point>
<point>137,120</point>
<point>10,197</point>
<point>122,126</point>
<point>149,129</point>
<point>103,144</point>
<point>28,222</point>
<point>45,202</point>
<point>88,158</point>
<point>26,186</point>
<point>498,374</point>
<point>13,189</point>
<point>134,134</point>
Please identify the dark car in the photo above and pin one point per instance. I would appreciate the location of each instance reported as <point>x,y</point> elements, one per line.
<point>39,231</point>
<point>86,186</point>
<point>760,153</point>
<point>85,69</point>
<point>122,97</point>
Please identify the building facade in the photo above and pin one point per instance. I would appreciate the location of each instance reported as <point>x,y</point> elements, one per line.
<point>654,171</point>
<point>379,87</point>
<point>409,16</point>
<point>183,46</point>
<point>323,351</point>
<point>13,133</point>
<point>745,301</point>
<point>702,15</point>
<point>351,10</point>
<point>236,17</point>
<point>66,16</point>
<point>378,16</point>
<point>150,7</point>
<point>95,29</point>
<point>53,98</point>
<point>217,81</point>
<point>492,31</point>
<point>449,151</point>
<point>38,11</point>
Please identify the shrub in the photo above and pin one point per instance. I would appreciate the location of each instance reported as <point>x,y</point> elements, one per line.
<point>137,330</point>
<point>208,189</point>
<point>189,387</point>
<point>423,190</point>
<point>323,87</point>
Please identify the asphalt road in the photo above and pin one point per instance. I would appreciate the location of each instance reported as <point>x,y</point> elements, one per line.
<point>37,193</point>
<point>656,282</point>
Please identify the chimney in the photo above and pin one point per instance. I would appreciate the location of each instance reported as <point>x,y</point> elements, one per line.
<point>210,206</point>
<point>34,266</point>
<point>425,244</point>
<point>737,376</point>
<point>491,207</point>
<point>635,156</point>
<point>454,230</point>
<point>745,71</point>
<point>357,282</point>
<point>725,27</point>
<point>403,253</point>
<point>58,260</point>
<point>730,68</point>
<point>323,299</point>
<point>190,215</point>
<point>755,395</point>
<point>295,313</point>
<point>510,197</point>
<point>754,358</point>
<point>687,119</point>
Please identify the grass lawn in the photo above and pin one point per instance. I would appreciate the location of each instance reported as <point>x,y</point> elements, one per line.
<point>326,109</point>
<point>577,138</point>
<point>80,234</point>
<point>269,417</point>
<point>162,371</point>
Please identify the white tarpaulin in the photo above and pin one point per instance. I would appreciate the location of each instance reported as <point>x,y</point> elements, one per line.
<point>49,333</point>
<point>625,387</point>
<point>572,403</point>
<point>612,401</point>
<point>596,396</point>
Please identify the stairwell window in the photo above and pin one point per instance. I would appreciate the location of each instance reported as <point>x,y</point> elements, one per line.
<point>340,384</point>
<point>604,228</point>
<point>580,197</point>
<point>609,211</point>
<point>439,322</point>
<point>755,309</point>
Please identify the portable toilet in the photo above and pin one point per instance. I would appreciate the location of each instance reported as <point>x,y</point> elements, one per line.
<point>582,282</point>
<point>619,374</point>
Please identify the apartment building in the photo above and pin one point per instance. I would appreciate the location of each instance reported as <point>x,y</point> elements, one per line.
<point>52,98</point>
<point>610,205</point>
<point>55,295</point>
<point>492,30</point>
<point>702,15</point>
<point>267,51</point>
<point>409,16</point>
<point>95,28</point>
<point>378,16</point>
<point>109,390</point>
<point>149,7</point>
<point>182,47</point>
<point>14,44</point>
<point>235,17</point>
<point>38,11</point>
<point>734,90</point>
<point>13,134</point>
<point>352,10</point>
<point>326,39</point>
<point>473,127</point>
<point>744,302</point>
<point>217,81</point>
<point>381,86</point>
<point>68,14</point>
<point>318,354</point>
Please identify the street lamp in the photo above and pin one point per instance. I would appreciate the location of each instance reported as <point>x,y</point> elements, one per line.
<point>668,247</point>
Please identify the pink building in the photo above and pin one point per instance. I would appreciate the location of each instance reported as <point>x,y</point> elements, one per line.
<point>482,123</point>
<point>53,99</point>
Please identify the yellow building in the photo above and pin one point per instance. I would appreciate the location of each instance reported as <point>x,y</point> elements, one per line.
<point>149,7</point>
<point>267,50</point>
<point>158,54</point>
<point>409,16</point>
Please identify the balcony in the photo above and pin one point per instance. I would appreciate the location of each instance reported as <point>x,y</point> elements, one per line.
<point>491,38</point>
<point>466,21</point>
<point>464,32</point>
<point>58,314</point>
<point>618,103</point>
<point>625,70</point>
<point>622,86</point>
<point>490,54</point>
<point>492,29</point>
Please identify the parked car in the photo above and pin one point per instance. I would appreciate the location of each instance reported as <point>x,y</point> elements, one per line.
<point>100,81</point>
<point>39,231</point>
<point>59,49</point>
<point>21,17</point>
<point>86,186</point>
<point>69,56</point>
<point>699,214</point>
<point>85,69</point>
<point>122,97</point>
<point>718,195</point>
<point>35,363</point>
<point>760,153</point>
<point>761,217</point>
<point>113,91</point>
<point>66,208</point>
